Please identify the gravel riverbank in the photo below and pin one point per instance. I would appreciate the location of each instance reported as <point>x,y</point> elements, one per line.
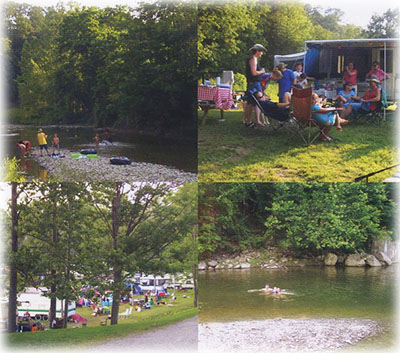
<point>284,335</point>
<point>101,170</point>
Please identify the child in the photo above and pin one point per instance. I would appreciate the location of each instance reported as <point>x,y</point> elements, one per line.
<point>41,136</point>
<point>56,143</point>
<point>326,117</point>
<point>302,80</point>
<point>96,140</point>
<point>25,147</point>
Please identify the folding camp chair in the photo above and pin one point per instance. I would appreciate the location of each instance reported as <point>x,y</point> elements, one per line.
<point>302,115</point>
<point>277,117</point>
<point>374,116</point>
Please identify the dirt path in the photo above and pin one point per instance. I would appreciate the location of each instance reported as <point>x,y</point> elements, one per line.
<point>179,337</point>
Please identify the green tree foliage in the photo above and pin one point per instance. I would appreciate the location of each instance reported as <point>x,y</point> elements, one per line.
<point>115,66</point>
<point>226,31</point>
<point>316,218</point>
<point>300,218</point>
<point>385,26</point>
<point>70,234</point>
<point>231,216</point>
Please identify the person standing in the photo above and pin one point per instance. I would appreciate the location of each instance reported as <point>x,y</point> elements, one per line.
<point>350,75</point>
<point>41,137</point>
<point>285,83</point>
<point>253,74</point>
<point>377,72</point>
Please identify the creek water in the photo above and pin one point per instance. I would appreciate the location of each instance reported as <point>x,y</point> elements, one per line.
<point>327,292</point>
<point>317,292</point>
<point>180,155</point>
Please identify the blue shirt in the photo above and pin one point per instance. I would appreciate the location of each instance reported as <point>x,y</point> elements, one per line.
<point>348,96</point>
<point>285,83</point>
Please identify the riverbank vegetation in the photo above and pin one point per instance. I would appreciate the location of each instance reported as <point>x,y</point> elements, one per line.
<point>298,218</point>
<point>117,66</point>
<point>68,236</point>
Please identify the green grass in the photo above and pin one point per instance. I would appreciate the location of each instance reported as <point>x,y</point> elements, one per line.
<point>230,152</point>
<point>94,333</point>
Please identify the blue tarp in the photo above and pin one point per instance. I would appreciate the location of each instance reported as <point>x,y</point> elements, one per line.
<point>311,66</point>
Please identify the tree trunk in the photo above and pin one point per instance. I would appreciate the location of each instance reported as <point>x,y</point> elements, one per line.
<point>12,295</point>
<point>195,289</point>
<point>116,297</point>
<point>117,272</point>
<point>53,288</point>
<point>53,301</point>
<point>195,267</point>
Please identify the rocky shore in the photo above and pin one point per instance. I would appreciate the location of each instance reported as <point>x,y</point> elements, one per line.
<point>272,259</point>
<point>101,170</point>
<point>285,335</point>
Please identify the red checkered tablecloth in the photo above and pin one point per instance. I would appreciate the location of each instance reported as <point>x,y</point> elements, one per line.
<point>222,97</point>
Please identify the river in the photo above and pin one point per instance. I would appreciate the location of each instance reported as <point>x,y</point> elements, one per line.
<point>179,155</point>
<point>317,292</point>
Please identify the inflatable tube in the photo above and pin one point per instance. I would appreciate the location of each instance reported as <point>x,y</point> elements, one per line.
<point>75,155</point>
<point>89,151</point>
<point>92,156</point>
<point>120,160</point>
<point>57,155</point>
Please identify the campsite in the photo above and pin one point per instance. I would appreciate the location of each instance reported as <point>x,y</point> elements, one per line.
<point>93,262</point>
<point>237,143</point>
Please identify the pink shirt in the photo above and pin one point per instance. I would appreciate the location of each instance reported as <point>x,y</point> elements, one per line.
<point>350,78</point>
<point>380,74</point>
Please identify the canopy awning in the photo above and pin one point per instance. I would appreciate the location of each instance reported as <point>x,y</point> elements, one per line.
<point>289,58</point>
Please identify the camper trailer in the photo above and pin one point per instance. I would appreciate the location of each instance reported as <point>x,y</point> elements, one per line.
<point>325,60</point>
<point>37,305</point>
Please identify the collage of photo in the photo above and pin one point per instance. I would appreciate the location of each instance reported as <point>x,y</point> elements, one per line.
<point>199,176</point>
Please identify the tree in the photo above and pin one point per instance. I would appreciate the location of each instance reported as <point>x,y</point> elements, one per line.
<point>316,218</point>
<point>53,225</point>
<point>142,223</point>
<point>385,26</point>
<point>13,282</point>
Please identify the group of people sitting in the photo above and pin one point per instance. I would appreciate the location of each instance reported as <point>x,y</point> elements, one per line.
<point>347,100</point>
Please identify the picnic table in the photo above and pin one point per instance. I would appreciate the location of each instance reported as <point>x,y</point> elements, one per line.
<point>214,98</point>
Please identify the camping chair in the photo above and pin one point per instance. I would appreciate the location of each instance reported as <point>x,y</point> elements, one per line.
<point>276,119</point>
<point>126,313</point>
<point>375,116</point>
<point>302,115</point>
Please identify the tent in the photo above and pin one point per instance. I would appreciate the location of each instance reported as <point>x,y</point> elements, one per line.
<point>78,318</point>
<point>326,59</point>
<point>290,59</point>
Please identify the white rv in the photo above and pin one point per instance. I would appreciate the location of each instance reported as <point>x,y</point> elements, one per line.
<point>37,305</point>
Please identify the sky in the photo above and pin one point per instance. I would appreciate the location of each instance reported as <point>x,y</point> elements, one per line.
<point>357,12</point>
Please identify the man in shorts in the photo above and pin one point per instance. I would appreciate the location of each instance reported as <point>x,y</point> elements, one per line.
<point>41,136</point>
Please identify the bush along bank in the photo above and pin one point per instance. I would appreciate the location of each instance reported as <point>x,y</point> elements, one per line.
<point>271,258</point>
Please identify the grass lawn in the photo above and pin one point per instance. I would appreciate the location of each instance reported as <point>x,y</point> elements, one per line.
<point>162,315</point>
<point>230,152</point>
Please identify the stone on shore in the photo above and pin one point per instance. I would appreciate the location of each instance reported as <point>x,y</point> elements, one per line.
<point>284,335</point>
<point>354,260</point>
<point>381,256</point>
<point>372,261</point>
<point>330,259</point>
<point>245,265</point>
<point>101,170</point>
<point>212,263</point>
<point>202,266</point>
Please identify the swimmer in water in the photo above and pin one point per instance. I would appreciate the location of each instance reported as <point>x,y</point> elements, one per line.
<point>267,288</point>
